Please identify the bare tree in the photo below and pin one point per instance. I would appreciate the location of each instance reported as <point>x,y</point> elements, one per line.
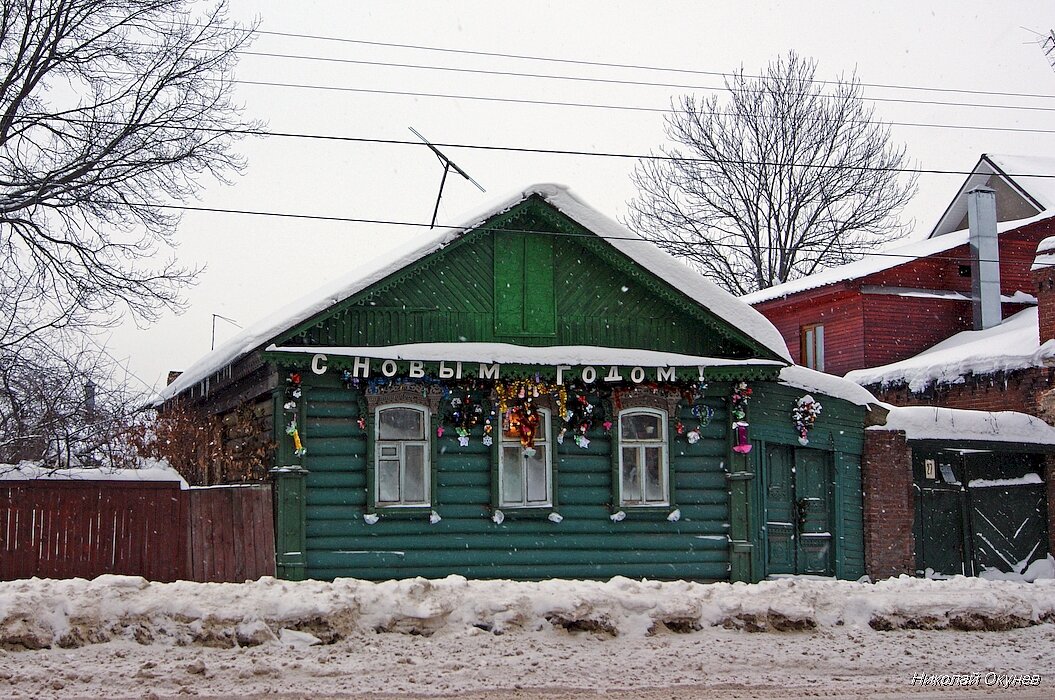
<point>109,110</point>
<point>787,176</point>
<point>65,406</point>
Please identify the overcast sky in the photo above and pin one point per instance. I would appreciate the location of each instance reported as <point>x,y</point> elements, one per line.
<point>256,264</point>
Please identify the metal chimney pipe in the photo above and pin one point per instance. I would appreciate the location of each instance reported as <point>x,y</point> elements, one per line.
<point>985,258</point>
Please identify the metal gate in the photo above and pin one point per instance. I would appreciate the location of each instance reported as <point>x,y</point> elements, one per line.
<point>978,511</point>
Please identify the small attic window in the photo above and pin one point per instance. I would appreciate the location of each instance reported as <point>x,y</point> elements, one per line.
<point>524,301</point>
<point>965,271</point>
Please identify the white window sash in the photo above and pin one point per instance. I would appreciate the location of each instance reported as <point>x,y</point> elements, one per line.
<point>640,448</point>
<point>505,442</point>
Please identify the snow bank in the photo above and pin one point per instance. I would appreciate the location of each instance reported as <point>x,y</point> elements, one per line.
<point>151,470</point>
<point>935,423</point>
<point>1012,345</point>
<point>37,613</point>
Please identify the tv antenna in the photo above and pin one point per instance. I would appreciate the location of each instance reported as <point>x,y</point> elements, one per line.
<point>214,317</point>
<point>447,165</point>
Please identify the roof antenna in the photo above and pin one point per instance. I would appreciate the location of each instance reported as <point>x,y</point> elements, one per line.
<point>447,165</point>
<point>214,317</point>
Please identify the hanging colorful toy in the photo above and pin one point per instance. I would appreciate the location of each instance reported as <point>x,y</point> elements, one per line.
<point>293,394</point>
<point>738,410</point>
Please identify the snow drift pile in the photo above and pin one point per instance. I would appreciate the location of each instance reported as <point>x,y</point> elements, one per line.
<point>37,613</point>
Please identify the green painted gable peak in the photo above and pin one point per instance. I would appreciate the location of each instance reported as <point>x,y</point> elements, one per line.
<point>751,328</point>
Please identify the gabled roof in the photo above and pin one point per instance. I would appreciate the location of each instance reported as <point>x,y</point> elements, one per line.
<point>1025,193</point>
<point>1012,345</point>
<point>693,285</point>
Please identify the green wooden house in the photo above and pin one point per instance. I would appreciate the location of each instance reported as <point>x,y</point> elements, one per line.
<point>541,393</point>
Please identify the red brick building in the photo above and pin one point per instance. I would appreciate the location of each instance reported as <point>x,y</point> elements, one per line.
<point>901,324</point>
<point>892,305</point>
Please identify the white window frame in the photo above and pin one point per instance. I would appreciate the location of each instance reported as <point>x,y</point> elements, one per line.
<point>641,445</point>
<point>401,446</point>
<point>813,346</point>
<point>503,442</point>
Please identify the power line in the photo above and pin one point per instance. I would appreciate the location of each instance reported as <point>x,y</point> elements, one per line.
<point>566,152</point>
<point>463,229</point>
<point>592,105</point>
<point>603,64</point>
<point>578,104</point>
<point>611,81</point>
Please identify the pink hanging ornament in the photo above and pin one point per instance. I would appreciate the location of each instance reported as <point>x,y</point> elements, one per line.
<point>742,446</point>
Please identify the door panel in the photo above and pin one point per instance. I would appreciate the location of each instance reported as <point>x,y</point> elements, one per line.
<point>798,512</point>
<point>780,515</point>
<point>940,547</point>
<point>813,500</point>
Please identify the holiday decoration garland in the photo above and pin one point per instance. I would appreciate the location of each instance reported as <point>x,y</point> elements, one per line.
<point>517,404</point>
<point>580,416</point>
<point>804,414</point>
<point>738,411</point>
<point>293,394</point>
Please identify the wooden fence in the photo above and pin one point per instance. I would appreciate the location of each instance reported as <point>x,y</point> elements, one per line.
<point>65,529</point>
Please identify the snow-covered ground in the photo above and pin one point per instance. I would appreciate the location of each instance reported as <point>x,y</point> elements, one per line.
<point>125,637</point>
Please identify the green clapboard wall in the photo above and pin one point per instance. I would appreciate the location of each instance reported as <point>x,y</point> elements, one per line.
<point>586,544</point>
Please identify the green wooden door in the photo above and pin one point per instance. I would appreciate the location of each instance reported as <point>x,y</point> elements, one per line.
<point>798,512</point>
<point>780,515</point>
<point>813,509</point>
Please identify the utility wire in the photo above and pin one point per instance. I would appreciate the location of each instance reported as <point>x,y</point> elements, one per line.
<point>557,151</point>
<point>559,103</point>
<point>632,66</point>
<point>611,81</point>
<point>463,229</point>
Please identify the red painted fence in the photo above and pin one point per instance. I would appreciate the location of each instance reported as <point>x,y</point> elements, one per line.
<point>66,529</point>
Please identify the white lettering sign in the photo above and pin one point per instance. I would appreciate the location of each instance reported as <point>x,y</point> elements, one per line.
<point>318,364</point>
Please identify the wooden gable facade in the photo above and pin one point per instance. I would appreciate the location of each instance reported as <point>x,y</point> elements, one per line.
<point>554,408</point>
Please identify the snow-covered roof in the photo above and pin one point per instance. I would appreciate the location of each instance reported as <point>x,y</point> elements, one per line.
<point>1031,179</point>
<point>1045,254</point>
<point>869,264</point>
<point>1028,172</point>
<point>659,263</point>
<point>504,353</point>
<point>828,384</point>
<point>1014,344</point>
<point>935,423</point>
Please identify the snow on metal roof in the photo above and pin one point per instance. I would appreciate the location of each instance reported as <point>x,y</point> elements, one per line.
<point>1014,344</point>
<point>676,273</point>
<point>870,264</point>
<point>935,423</point>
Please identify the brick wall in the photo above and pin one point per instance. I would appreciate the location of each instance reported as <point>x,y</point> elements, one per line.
<point>1049,479</point>
<point>889,504</point>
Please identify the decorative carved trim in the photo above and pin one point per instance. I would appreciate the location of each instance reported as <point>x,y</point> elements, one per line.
<point>645,397</point>
<point>415,394</point>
